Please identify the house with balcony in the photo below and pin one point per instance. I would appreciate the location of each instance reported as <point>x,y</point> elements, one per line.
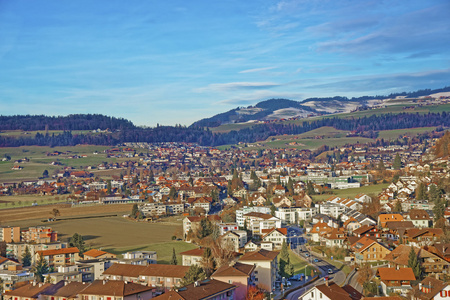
<point>266,267</point>
<point>59,257</point>
<point>395,280</point>
<point>256,222</point>
<point>276,236</point>
<point>367,249</point>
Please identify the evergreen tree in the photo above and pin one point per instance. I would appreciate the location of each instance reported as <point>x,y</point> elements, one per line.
<point>40,268</point>
<point>26,258</point>
<point>285,266</point>
<point>421,193</point>
<point>193,274</point>
<point>174,260</point>
<point>134,211</point>
<point>381,166</point>
<point>398,206</point>
<point>77,241</point>
<point>272,209</point>
<point>414,263</point>
<point>108,187</point>
<point>397,164</point>
<point>173,194</point>
<point>208,262</point>
<point>438,210</point>
<point>310,188</point>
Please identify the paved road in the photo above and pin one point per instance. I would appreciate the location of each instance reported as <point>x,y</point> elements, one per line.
<point>352,279</point>
<point>338,276</point>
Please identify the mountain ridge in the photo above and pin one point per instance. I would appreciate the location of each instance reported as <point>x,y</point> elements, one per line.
<point>272,109</point>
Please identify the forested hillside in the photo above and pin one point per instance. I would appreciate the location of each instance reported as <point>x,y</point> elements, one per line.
<point>70,122</point>
<point>365,126</point>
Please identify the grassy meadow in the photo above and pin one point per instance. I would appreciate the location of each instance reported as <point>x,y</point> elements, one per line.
<point>39,161</point>
<point>351,193</point>
<point>117,234</point>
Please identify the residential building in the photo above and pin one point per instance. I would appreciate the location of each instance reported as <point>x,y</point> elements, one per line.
<point>39,234</point>
<point>97,254</point>
<point>206,289</point>
<point>257,222</point>
<point>246,209</point>
<point>225,227</point>
<point>192,257</point>
<point>140,257</point>
<point>331,291</point>
<point>276,236</point>
<point>30,291</point>
<point>10,234</point>
<point>431,288</point>
<point>234,239</point>
<point>395,280</point>
<point>420,218</point>
<point>193,223</point>
<point>59,257</point>
<point>266,267</point>
<point>367,249</point>
<point>116,290</point>
<point>238,274</point>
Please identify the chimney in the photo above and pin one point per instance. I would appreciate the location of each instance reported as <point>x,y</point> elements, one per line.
<point>420,286</point>
<point>104,281</point>
<point>327,283</point>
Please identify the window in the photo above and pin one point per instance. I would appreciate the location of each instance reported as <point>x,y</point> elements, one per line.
<point>320,295</point>
<point>312,294</point>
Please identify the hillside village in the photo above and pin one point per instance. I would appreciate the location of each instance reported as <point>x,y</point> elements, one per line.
<point>244,209</point>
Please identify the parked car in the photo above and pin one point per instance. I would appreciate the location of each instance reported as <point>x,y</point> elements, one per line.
<point>316,260</point>
<point>330,271</point>
<point>307,254</point>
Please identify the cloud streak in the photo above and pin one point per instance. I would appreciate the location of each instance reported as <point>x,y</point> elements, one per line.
<point>257,70</point>
<point>236,86</point>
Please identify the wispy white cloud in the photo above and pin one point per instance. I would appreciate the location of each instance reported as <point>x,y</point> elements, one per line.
<point>233,86</point>
<point>257,70</point>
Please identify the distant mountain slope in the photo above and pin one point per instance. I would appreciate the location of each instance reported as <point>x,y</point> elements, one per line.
<point>272,109</point>
<point>277,109</point>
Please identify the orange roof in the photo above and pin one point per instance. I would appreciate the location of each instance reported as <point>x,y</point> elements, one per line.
<point>59,251</point>
<point>388,274</point>
<point>95,253</point>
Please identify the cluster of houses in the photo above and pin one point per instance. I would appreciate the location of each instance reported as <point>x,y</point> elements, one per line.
<point>97,274</point>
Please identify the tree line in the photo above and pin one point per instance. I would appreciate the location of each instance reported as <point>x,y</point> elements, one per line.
<point>365,126</point>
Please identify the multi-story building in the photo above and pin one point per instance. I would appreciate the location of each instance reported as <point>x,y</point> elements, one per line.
<point>39,234</point>
<point>10,234</point>
<point>245,210</point>
<point>257,222</point>
<point>59,257</point>
<point>266,267</point>
<point>241,275</point>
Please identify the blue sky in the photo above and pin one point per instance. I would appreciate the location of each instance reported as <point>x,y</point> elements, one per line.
<point>175,62</point>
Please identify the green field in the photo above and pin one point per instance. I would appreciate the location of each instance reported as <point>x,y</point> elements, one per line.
<point>28,200</point>
<point>21,133</point>
<point>308,143</point>
<point>393,134</point>
<point>351,193</point>
<point>39,161</point>
<point>118,234</point>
